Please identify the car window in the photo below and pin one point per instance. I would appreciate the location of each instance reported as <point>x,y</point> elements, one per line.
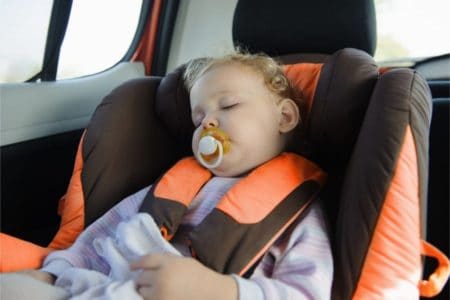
<point>411,30</point>
<point>98,35</point>
<point>23,33</point>
<point>100,32</point>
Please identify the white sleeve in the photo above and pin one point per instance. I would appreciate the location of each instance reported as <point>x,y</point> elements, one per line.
<point>298,266</point>
<point>82,253</point>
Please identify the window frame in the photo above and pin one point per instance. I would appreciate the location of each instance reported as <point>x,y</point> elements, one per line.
<point>59,20</point>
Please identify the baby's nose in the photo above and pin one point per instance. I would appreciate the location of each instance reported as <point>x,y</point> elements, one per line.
<point>209,122</point>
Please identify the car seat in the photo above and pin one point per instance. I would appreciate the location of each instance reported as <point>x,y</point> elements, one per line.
<point>368,130</point>
<point>306,31</point>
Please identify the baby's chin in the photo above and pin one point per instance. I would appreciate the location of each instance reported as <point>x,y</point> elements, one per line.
<point>223,173</point>
<point>229,170</point>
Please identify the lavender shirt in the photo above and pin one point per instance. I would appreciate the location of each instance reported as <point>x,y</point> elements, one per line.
<point>298,266</point>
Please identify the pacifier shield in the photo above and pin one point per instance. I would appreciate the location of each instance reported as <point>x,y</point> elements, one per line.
<point>219,135</point>
<point>212,146</point>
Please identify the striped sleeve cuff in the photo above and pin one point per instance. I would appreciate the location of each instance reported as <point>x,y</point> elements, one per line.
<point>56,267</point>
<point>248,289</point>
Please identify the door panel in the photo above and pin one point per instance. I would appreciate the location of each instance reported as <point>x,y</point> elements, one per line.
<point>32,110</point>
<point>35,174</point>
<point>41,124</point>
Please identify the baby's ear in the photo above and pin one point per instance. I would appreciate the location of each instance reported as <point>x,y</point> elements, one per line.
<point>290,115</point>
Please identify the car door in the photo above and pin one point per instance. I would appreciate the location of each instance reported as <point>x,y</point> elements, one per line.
<point>76,54</point>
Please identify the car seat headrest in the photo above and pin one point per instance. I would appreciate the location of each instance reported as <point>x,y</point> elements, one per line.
<point>172,106</point>
<point>303,26</point>
<point>337,102</point>
<point>340,101</point>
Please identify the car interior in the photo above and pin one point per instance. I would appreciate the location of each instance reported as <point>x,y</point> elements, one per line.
<point>118,130</point>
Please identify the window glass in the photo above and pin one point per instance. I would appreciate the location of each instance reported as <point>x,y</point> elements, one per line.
<point>98,35</point>
<point>411,30</point>
<point>23,34</point>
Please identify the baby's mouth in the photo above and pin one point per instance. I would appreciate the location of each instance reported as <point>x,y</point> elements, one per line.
<point>213,144</point>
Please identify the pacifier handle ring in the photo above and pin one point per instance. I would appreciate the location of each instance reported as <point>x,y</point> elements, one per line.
<point>218,160</point>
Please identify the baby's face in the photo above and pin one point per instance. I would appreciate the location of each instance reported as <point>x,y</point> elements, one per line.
<point>235,99</point>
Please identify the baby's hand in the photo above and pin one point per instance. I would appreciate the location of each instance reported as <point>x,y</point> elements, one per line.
<point>39,275</point>
<point>166,276</point>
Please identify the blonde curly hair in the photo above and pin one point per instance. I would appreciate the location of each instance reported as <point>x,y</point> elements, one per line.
<point>274,77</point>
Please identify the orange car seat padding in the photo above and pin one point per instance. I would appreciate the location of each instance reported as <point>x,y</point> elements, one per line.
<point>436,281</point>
<point>304,77</point>
<point>71,207</point>
<point>146,48</point>
<point>394,274</point>
<point>17,254</point>
<point>259,203</point>
<point>169,189</point>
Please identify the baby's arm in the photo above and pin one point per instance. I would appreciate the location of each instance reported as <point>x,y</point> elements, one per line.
<point>300,266</point>
<point>82,253</point>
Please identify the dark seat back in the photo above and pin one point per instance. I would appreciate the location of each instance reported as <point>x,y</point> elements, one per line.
<point>396,111</point>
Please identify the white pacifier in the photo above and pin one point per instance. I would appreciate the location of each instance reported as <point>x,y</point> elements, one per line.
<point>213,144</point>
<point>209,146</point>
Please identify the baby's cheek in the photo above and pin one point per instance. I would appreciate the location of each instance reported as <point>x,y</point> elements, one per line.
<point>195,140</point>
<point>254,138</point>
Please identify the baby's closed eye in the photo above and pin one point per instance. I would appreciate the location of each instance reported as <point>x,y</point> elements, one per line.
<point>228,102</point>
<point>229,106</point>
